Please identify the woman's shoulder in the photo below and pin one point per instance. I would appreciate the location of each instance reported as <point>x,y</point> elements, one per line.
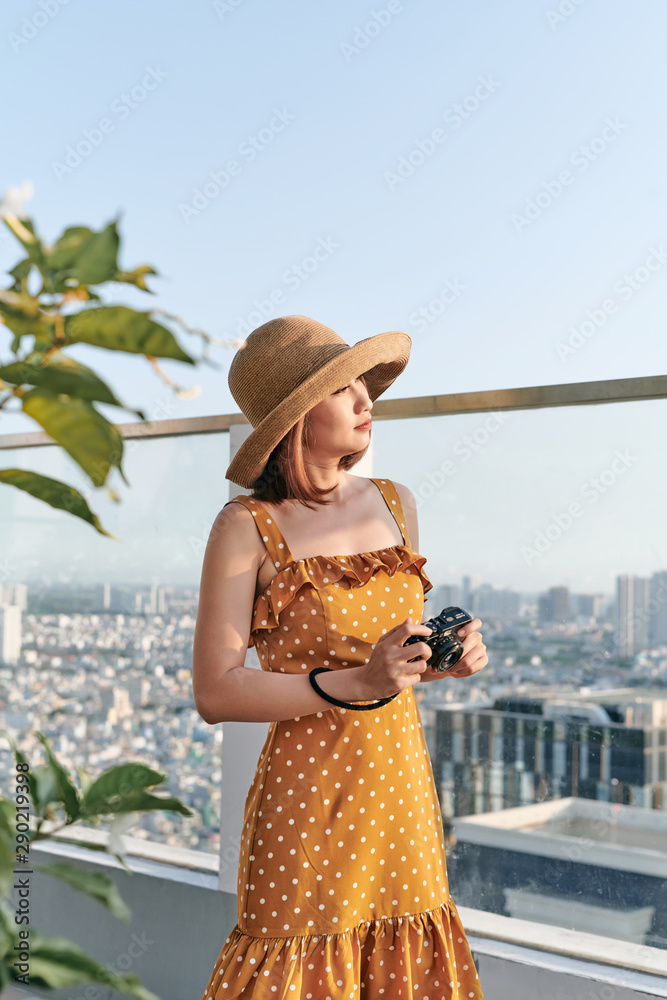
<point>235,530</point>
<point>234,514</point>
<point>409,505</point>
<point>405,495</point>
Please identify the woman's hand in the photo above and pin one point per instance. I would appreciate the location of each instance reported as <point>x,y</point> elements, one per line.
<point>388,670</point>
<point>474,656</point>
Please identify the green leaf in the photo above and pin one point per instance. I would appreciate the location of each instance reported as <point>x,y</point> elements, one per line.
<point>85,779</point>
<point>137,277</point>
<point>116,783</point>
<point>24,231</point>
<point>20,758</point>
<point>87,436</point>
<point>45,788</point>
<point>90,257</point>
<point>67,792</point>
<point>21,271</point>
<point>69,245</point>
<point>61,374</point>
<point>96,884</point>
<point>22,325</point>
<point>58,963</point>
<point>119,328</point>
<point>122,789</point>
<point>51,491</point>
<point>22,314</point>
<point>141,801</point>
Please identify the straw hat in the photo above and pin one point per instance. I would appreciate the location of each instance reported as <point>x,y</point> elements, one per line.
<point>287,366</point>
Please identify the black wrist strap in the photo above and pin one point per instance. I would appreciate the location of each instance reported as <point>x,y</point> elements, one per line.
<point>344,704</point>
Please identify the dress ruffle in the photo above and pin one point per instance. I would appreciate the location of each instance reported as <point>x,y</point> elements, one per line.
<point>322,571</point>
<point>398,957</point>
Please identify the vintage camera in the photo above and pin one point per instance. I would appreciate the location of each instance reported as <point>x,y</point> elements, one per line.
<point>446,646</point>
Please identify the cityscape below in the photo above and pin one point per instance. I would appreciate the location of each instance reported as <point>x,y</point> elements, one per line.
<point>572,703</point>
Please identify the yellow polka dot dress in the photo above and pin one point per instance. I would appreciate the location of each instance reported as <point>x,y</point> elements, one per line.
<point>342,883</point>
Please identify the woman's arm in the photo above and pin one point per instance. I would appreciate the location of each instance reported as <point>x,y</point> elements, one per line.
<point>224,689</point>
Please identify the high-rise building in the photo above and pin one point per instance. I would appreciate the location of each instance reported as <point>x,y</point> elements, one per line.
<point>151,605</point>
<point>468,586</point>
<point>137,689</point>
<point>10,633</point>
<point>658,610</point>
<point>554,606</point>
<point>115,703</point>
<point>513,752</point>
<point>15,593</point>
<point>632,615</point>
<point>106,596</point>
<point>496,601</point>
<point>588,605</point>
<point>445,596</point>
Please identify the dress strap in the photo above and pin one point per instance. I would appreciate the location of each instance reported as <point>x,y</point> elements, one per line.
<point>269,531</point>
<point>393,502</point>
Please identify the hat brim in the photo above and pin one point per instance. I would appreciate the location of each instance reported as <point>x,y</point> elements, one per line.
<point>380,358</point>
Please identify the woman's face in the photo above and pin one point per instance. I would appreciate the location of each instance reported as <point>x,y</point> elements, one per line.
<point>333,425</point>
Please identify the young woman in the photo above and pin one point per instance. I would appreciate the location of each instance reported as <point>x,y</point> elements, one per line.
<point>342,883</point>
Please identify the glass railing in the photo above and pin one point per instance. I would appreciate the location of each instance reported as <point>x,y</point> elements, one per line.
<point>546,523</point>
<point>551,762</point>
<point>107,624</point>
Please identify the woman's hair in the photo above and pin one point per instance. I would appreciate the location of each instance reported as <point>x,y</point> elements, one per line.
<point>285,476</point>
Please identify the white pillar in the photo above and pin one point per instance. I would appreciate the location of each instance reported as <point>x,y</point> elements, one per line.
<point>242,741</point>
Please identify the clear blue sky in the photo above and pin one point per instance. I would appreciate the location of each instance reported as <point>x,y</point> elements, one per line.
<point>580,99</point>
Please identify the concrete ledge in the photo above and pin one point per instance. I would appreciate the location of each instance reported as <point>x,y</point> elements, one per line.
<point>565,943</point>
<point>508,971</point>
<point>135,847</point>
<point>184,918</point>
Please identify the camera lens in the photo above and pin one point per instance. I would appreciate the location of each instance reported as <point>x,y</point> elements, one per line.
<point>446,653</point>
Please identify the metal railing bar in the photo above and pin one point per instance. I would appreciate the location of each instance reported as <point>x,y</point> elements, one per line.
<point>621,390</point>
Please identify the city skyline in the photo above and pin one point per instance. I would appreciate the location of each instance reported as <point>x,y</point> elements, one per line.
<point>157,598</point>
<point>142,585</point>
